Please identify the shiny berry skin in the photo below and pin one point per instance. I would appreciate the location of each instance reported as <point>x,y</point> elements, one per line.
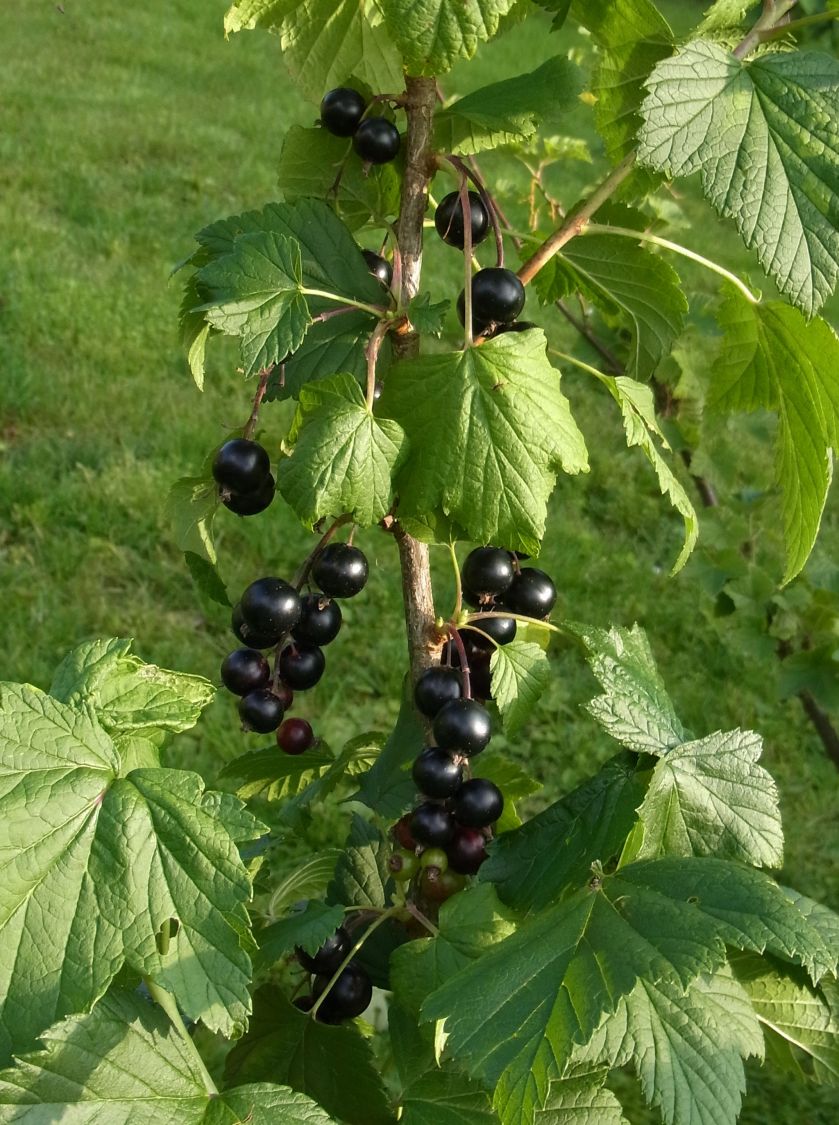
<point>261,711</point>
<point>402,833</point>
<point>377,140</point>
<point>436,687</point>
<point>244,671</point>
<point>248,636</point>
<point>341,110</point>
<point>348,997</point>
<point>320,620</point>
<point>329,956</point>
<point>436,774</point>
<point>501,629</point>
<point>478,803</point>
<point>437,885</point>
<point>480,678</point>
<point>340,570</point>
<point>295,736</point>
<point>448,219</point>
<point>531,593</point>
<point>252,503</point>
<point>380,267</point>
<point>301,666</point>
<point>434,857</point>
<point>403,865</point>
<point>463,725</point>
<point>270,606</point>
<point>467,851</point>
<point>284,694</point>
<point>497,295</point>
<point>432,825</point>
<point>487,572</point>
<point>479,328</point>
<point>241,465</point>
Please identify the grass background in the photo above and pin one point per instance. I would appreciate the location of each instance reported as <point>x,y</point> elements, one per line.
<point>125,128</point>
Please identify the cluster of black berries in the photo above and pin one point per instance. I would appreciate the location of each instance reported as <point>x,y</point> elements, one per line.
<point>352,991</point>
<point>242,470</point>
<point>375,139</point>
<point>273,614</point>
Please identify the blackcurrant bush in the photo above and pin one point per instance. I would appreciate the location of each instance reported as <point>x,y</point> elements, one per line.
<point>340,570</point>
<point>248,636</point>
<point>403,865</point>
<point>380,267</point>
<point>295,736</point>
<point>402,833</point>
<point>463,725</point>
<point>241,465</point>
<point>301,666</point>
<point>466,851</point>
<point>436,687</point>
<point>487,572</point>
<point>501,629</point>
<point>261,711</point>
<point>434,857</point>
<point>448,219</point>
<point>348,997</point>
<point>320,620</point>
<point>437,886</point>
<point>252,503</point>
<point>478,803</point>
<point>436,774</point>
<point>341,110</point>
<point>245,670</point>
<point>497,296</point>
<point>329,956</point>
<point>377,141</point>
<point>432,825</point>
<point>531,593</point>
<point>270,605</point>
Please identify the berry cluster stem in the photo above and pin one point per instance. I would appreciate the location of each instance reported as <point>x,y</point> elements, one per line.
<point>262,386</point>
<point>457,641</point>
<point>383,917</point>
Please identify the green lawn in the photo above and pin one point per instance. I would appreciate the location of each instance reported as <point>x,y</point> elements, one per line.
<point>128,128</point>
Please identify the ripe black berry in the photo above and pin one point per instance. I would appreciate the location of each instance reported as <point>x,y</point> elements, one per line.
<point>487,571</point>
<point>478,803</point>
<point>463,725</point>
<point>244,671</point>
<point>341,110</point>
<point>301,666</point>
<point>284,694</point>
<point>466,851</point>
<point>478,659</point>
<point>252,503</point>
<point>248,636</point>
<point>261,711</point>
<point>497,295</point>
<point>479,327</point>
<point>295,736</point>
<point>348,997</point>
<point>516,326</point>
<point>501,629</point>
<point>436,687</point>
<point>448,219</point>
<point>320,620</point>
<point>436,774</point>
<point>270,606</point>
<point>377,141</point>
<point>340,570</point>
<point>241,465</point>
<point>329,956</point>
<point>432,825</point>
<point>380,267</point>
<point>531,593</point>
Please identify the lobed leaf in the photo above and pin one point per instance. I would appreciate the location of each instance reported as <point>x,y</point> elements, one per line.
<point>433,34</point>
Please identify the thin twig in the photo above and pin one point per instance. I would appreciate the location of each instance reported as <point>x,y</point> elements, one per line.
<point>489,203</point>
<point>305,570</point>
<point>262,386</point>
<point>372,353</point>
<point>464,662</point>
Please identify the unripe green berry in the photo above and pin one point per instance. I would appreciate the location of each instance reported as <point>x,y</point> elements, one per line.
<point>403,865</point>
<point>434,857</point>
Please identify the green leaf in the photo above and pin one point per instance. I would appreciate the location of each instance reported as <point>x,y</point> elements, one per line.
<point>765,138</point>
<point>362,875</point>
<point>109,860</point>
<point>507,111</point>
<point>333,1065</point>
<point>194,330</point>
<point>771,358</point>
<point>488,428</point>
<point>520,673</point>
<point>725,16</point>
<point>343,457</point>
<point>712,798</point>
<point>427,318</point>
<point>273,775</point>
<point>433,34</point>
<point>307,880</point>
<point>191,507</point>
<point>513,782</point>
<point>122,1063</point>
<point>207,578</point>
<point>309,928</point>
<point>337,344</point>
<point>387,787</point>
<point>581,1099</point>
<point>125,693</point>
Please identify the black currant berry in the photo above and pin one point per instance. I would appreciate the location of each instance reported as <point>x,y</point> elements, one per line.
<point>377,141</point>
<point>348,997</point>
<point>432,825</point>
<point>402,833</point>
<point>479,327</point>
<point>284,694</point>
<point>380,267</point>
<point>270,606</point>
<point>241,465</point>
<point>463,725</point>
<point>516,326</point>
<point>329,956</point>
<point>301,666</point>
<point>478,803</point>
<point>304,1003</point>
<point>244,671</point>
<point>466,851</point>
<point>436,774</point>
<point>478,659</point>
<point>434,857</point>
<point>320,620</point>
<point>252,503</point>
<point>261,711</point>
<point>295,736</point>
<point>448,219</point>
<point>436,687</point>
<point>487,572</point>
<point>501,629</point>
<point>497,296</point>
<point>440,885</point>
<point>341,110</point>
<point>248,636</point>
<point>531,593</point>
<point>340,570</point>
